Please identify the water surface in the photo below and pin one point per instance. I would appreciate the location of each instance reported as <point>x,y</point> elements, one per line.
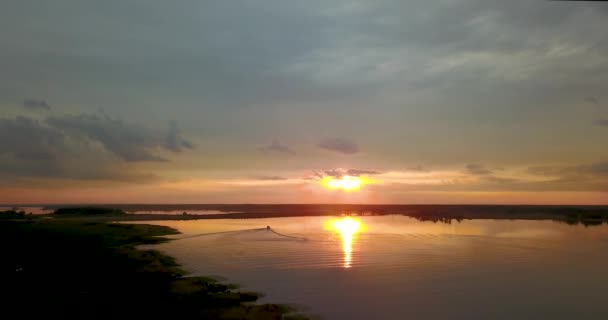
<point>397,267</point>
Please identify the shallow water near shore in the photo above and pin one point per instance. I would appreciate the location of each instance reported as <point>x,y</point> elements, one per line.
<point>395,267</point>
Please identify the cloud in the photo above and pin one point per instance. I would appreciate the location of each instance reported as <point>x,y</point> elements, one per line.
<point>472,70</point>
<point>339,145</point>
<point>477,169</point>
<point>276,147</point>
<point>602,122</point>
<point>339,172</point>
<point>591,100</point>
<point>499,180</point>
<point>416,168</point>
<point>174,141</point>
<point>269,178</point>
<point>34,104</point>
<point>32,149</point>
<point>592,177</point>
<point>357,172</point>
<point>592,170</point>
<point>336,173</point>
<point>128,141</point>
<point>28,139</point>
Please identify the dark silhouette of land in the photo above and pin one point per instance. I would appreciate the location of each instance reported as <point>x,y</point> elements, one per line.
<point>89,211</point>
<point>588,215</point>
<point>61,268</point>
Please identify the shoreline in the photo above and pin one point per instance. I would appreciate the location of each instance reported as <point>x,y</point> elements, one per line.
<point>77,260</point>
<point>78,267</point>
<point>587,215</point>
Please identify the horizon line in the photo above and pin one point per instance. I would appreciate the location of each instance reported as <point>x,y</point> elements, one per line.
<point>294,204</point>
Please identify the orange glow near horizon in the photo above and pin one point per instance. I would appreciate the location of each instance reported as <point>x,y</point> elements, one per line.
<point>345,183</point>
<point>347,228</point>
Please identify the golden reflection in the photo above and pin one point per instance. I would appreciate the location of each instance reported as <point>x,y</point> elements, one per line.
<point>347,228</point>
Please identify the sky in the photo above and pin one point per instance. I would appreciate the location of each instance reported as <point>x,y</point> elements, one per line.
<point>251,101</point>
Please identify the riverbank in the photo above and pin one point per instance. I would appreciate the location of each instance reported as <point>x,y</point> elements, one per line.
<point>83,269</point>
<point>587,215</point>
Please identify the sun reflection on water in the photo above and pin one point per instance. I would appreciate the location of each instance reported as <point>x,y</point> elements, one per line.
<point>347,228</point>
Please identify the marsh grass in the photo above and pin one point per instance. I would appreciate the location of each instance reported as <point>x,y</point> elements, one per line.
<point>75,269</point>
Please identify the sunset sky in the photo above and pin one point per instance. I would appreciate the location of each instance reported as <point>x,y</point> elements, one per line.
<point>250,101</point>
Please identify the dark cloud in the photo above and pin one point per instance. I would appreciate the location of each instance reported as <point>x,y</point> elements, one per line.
<point>585,177</point>
<point>31,148</point>
<point>592,170</point>
<point>592,177</point>
<point>28,139</point>
<point>357,172</point>
<point>478,169</point>
<point>336,173</point>
<point>128,141</point>
<point>232,63</point>
<point>602,122</point>
<point>34,104</point>
<point>277,147</point>
<point>339,145</point>
<point>591,100</point>
<point>174,140</point>
<point>416,168</point>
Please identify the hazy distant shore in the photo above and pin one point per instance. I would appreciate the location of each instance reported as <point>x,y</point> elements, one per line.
<point>444,213</point>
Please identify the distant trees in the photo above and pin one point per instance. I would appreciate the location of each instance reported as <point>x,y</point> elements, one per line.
<point>89,211</point>
<point>12,214</point>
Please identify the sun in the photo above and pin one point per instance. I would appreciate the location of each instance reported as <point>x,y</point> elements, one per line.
<point>345,183</point>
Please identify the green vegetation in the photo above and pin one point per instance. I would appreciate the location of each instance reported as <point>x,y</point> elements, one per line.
<point>73,269</point>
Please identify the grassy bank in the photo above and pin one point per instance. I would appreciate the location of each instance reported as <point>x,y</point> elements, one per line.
<point>77,269</point>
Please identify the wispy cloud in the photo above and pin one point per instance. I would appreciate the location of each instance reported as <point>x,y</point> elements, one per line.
<point>277,147</point>
<point>340,145</point>
<point>174,141</point>
<point>269,178</point>
<point>340,172</point>
<point>34,104</point>
<point>591,170</point>
<point>602,122</point>
<point>591,100</point>
<point>129,141</point>
<point>359,172</point>
<point>477,169</point>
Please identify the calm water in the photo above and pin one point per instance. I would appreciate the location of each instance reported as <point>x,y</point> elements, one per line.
<point>395,267</point>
